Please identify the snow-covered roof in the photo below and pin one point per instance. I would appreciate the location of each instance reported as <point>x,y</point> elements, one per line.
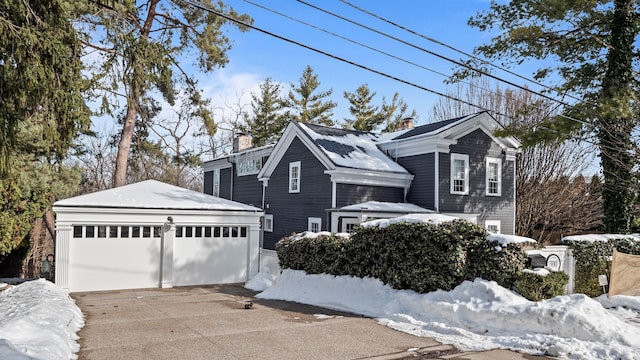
<point>510,239</point>
<point>153,194</point>
<point>435,219</point>
<point>351,149</point>
<point>378,206</point>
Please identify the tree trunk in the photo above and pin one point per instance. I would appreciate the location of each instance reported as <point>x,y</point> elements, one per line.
<point>616,122</point>
<point>124,145</point>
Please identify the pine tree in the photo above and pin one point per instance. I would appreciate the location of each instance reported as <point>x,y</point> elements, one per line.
<point>309,105</point>
<point>267,121</point>
<point>365,116</point>
<point>141,44</point>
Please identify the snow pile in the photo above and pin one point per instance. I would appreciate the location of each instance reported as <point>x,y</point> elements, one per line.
<point>509,239</point>
<point>313,235</point>
<point>435,219</point>
<point>475,315</point>
<point>262,280</point>
<point>537,271</point>
<point>38,320</point>
<point>600,237</point>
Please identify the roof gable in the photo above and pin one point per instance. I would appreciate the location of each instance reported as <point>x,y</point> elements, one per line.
<point>153,194</point>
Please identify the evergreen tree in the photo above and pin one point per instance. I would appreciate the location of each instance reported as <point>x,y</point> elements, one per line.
<point>307,103</point>
<point>268,120</point>
<point>141,44</point>
<point>395,113</point>
<point>365,116</point>
<point>594,47</point>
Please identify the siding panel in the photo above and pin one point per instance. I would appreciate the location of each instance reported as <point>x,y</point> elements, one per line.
<point>349,194</point>
<point>225,183</point>
<point>478,146</point>
<point>422,188</point>
<point>290,211</point>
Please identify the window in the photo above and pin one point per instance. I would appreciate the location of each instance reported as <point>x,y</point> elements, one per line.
<point>89,231</point>
<point>249,166</point>
<point>216,182</point>
<point>102,231</point>
<point>268,222</point>
<point>124,231</point>
<point>314,224</point>
<point>199,231</point>
<point>113,231</point>
<point>294,177</point>
<point>135,231</point>
<point>243,231</point>
<point>494,177</point>
<point>207,231</point>
<point>77,231</point>
<point>492,226</point>
<point>157,231</point>
<point>459,174</point>
<point>146,231</point>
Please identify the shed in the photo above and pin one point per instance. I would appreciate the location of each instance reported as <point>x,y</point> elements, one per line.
<point>152,234</point>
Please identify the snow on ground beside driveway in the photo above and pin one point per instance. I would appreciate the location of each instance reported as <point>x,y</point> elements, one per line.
<point>477,315</point>
<point>38,320</point>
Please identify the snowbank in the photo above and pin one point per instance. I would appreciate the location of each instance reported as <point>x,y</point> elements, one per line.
<point>475,315</point>
<point>38,320</point>
<point>510,239</point>
<point>600,237</point>
<point>435,219</point>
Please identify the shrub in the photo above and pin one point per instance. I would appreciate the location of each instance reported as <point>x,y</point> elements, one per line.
<point>421,257</point>
<point>535,287</point>
<point>593,259</point>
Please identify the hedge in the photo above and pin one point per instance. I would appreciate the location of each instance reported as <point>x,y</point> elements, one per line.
<point>535,287</point>
<point>421,257</point>
<point>594,258</point>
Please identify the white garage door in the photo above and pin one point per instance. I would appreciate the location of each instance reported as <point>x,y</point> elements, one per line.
<point>114,257</point>
<point>109,257</point>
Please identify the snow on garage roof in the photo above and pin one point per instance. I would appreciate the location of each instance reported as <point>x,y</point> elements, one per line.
<point>153,194</point>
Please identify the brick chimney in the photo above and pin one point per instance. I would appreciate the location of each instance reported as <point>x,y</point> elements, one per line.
<point>407,123</point>
<point>241,142</point>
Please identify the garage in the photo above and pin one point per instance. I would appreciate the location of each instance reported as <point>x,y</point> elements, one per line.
<point>152,234</point>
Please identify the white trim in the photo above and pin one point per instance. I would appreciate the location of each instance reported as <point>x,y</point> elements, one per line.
<point>496,223</point>
<point>374,178</point>
<point>216,181</point>
<point>497,161</point>
<point>298,169</point>
<point>465,159</point>
<point>222,163</point>
<point>334,194</point>
<point>436,181</point>
<point>311,221</point>
<point>267,223</point>
<point>417,146</point>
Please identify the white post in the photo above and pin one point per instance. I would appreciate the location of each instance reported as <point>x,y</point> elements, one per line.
<point>63,236</point>
<point>166,256</point>
<point>253,251</point>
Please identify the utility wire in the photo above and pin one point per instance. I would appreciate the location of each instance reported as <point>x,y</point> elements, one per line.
<point>428,38</point>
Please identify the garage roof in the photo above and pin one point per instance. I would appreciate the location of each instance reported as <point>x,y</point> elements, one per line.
<point>153,194</point>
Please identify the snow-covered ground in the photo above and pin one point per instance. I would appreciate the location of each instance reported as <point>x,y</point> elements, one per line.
<point>38,320</point>
<point>475,315</point>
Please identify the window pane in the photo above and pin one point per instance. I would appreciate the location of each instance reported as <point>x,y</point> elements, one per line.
<point>234,232</point>
<point>199,231</point>
<point>124,231</point>
<point>243,231</point>
<point>207,231</point>
<point>102,231</point>
<point>89,231</point>
<point>178,231</point>
<point>135,231</point>
<point>157,231</point>
<point>189,231</point>
<point>113,231</point>
<point>225,231</point>
<point>216,231</point>
<point>77,231</point>
<point>146,231</point>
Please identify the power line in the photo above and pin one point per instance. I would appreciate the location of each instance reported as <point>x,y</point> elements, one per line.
<point>457,50</point>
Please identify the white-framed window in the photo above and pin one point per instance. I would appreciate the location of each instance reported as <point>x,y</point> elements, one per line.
<point>294,177</point>
<point>216,182</point>
<point>459,174</point>
<point>267,222</point>
<point>493,177</point>
<point>249,166</point>
<point>314,224</point>
<point>492,226</point>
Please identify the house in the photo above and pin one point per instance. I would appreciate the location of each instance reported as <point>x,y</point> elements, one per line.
<point>319,178</point>
<point>152,234</point>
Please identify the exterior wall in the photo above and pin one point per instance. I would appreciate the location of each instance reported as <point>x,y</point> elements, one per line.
<point>348,194</point>
<point>422,188</point>
<point>226,178</point>
<point>478,146</point>
<point>247,189</point>
<point>291,210</point>
<point>208,183</point>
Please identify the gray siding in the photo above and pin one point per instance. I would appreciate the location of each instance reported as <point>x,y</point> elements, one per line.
<point>208,182</point>
<point>248,190</point>
<point>478,146</point>
<point>422,188</point>
<point>348,194</point>
<point>290,211</point>
<point>225,183</point>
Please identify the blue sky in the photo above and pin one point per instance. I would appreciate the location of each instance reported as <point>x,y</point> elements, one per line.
<point>256,56</point>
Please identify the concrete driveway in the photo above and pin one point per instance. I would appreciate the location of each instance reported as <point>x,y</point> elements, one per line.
<point>212,322</point>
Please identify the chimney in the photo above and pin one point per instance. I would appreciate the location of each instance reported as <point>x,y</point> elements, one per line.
<point>407,123</point>
<point>241,142</point>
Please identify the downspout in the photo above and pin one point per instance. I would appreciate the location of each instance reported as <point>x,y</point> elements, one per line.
<point>231,176</point>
